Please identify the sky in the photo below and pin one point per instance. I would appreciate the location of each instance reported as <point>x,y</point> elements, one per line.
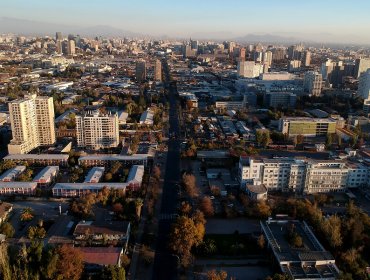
<point>341,19</point>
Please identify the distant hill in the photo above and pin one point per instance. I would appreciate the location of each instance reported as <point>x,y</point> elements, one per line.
<point>30,27</point>
<point>267,38</point>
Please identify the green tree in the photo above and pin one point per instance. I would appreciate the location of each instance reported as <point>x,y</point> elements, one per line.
<point>7,229</point>
<point>112,272</point>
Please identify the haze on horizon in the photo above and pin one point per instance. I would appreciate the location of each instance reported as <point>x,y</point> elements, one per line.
<point>321,21</point>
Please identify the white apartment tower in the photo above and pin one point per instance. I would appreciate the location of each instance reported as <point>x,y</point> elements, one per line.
<point>313,83</point>
<point>97,131</point>
<point>249,69</point>
<point>32,122</point>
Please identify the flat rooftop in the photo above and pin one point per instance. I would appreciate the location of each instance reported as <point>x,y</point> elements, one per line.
<point>310,261</point>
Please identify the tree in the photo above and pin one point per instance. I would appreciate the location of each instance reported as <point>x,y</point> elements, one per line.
<point>36,232</point>
<point>189,182</point>
<point>27,214</point>
<point>70,265</point>
<point>185,208</point>
<point>7,229</point>
<point>184,235</point>
<point>206,206</point>
<point>261,242</point>
<point>263,209</point>
<point>156,173</point>
<point>112,272</point>
<point>216,275</point>
<point>5,269</point>
<point>263,137</point>
<point>332,230</point>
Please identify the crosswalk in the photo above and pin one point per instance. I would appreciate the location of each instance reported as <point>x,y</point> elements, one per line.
<point>168,216</point>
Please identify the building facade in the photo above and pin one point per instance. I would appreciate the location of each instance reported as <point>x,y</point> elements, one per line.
<point>97,131</point>
<point>313,83</point>
<point>32,122</point>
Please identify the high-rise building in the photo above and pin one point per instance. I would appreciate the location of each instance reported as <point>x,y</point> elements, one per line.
<point>249,69</point>
<point>278,54</point>
<point>242,54</point>
<point>32,122</point>
<point>97,131</point>
<point>58,36</point>
<point>71,47</point>
<point>140,72</point>
<point>267,58</point>
<point>327,68</point>
<point>158,70</point>
<point>294,65</point>
<point>307,58</point>
<point>59,47</point>
<point>362,64</point>
<point>313,83</point>
<point>364,85</point>
<point>194,44</point>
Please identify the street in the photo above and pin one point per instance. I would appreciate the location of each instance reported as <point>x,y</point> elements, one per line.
<point>165,264</point>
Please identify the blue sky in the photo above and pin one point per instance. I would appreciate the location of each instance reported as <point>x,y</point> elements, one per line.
<point>189,17</point>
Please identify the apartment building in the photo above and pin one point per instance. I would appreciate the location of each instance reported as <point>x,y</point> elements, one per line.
<point>32,122</point>
<point>301,174</point>
<point>313,83</point>
<point>309,127</point>
<point>97,131</point>
<point>326,176</point>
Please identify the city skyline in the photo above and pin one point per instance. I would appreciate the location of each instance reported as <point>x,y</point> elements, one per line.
<point>320,22</point>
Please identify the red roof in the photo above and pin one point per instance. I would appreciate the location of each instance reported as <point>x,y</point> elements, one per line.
<point>101,255</point>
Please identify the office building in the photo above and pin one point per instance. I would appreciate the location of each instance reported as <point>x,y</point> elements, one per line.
<point>71,47</point>
<point>313,83</point>
<point>361,66</point>
<point>364,85</point>
<point>158,70</point>
<point>280,99</point>
<point>140,72</point>
<point>309,127</point>
<point>249,69</point>
<point>97,131</point>
<point>32,122</point>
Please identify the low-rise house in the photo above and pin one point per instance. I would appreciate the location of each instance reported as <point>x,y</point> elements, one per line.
<point>46,176</point>
<point>12,173</point>
<point>97,257</point>
<point>17,188</point>
<point>116,233</point>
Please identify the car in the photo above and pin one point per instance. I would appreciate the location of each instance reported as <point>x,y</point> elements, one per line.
<point>212,197</point>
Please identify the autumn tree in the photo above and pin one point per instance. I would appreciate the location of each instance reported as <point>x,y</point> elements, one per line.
<point>261,242</point>
<point>216,275</point>
<point>332,230</point>
<point>27,214</point>
<point>185,234</point>
<point>112,272</point>
<point>189,182</point>
<point>70,265</point>
<point>206,206</point>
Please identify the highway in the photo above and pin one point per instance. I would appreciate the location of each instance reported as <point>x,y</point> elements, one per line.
<point>165,263</point>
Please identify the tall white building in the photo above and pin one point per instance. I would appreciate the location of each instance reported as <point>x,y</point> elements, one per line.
<point>249,69</point>
<point>364,85</point>
<point>267,58</point>
<point>313,83</point>
<point>32,122</point>
<point>97,131</point>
